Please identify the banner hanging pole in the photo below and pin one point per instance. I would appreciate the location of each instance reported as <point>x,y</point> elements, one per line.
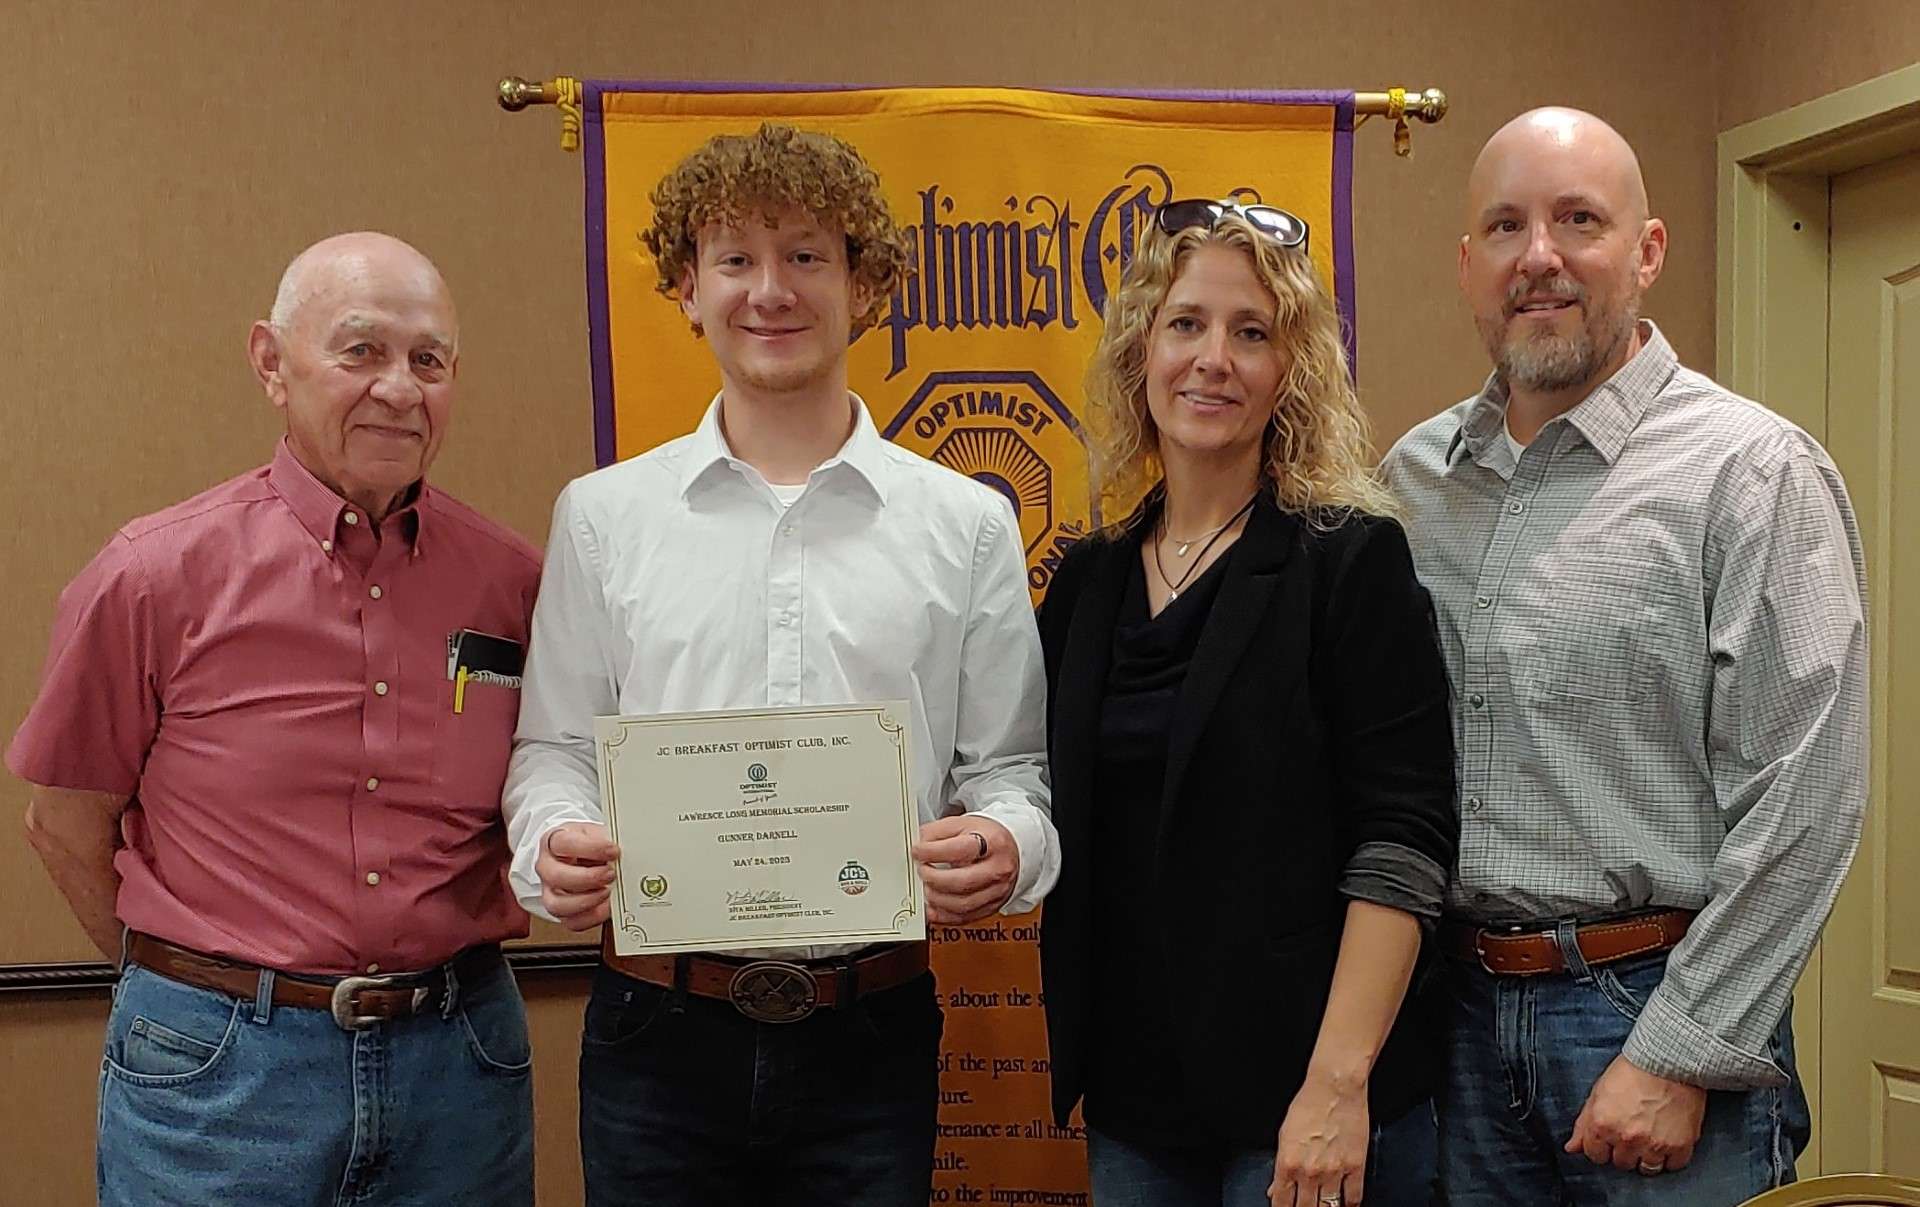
<point>1397,105</point>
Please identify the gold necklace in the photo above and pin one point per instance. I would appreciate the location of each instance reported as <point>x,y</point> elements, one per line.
<point>1173,588</point>
<point>1187,543</point>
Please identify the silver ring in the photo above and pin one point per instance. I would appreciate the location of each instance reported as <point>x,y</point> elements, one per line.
<point>982,840</point>
<point>1647,1170</point>
<point>1332,1200</point>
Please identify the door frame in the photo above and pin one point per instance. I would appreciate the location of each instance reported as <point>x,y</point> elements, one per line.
<point>1773,179</point>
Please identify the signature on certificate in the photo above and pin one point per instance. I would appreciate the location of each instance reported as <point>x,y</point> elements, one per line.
<point>757,896</point>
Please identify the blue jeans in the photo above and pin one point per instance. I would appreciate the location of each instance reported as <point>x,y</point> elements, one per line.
<point>209,1099</point>
<point>685,1102</point>
<point>1523,1054</point>
<point>1400,1161</point>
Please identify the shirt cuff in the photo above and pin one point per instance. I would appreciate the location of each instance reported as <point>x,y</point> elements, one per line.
<point>1036,874</point>
<point>1668,1043</point>
<point>1398,877</point>
<point>521,876</point>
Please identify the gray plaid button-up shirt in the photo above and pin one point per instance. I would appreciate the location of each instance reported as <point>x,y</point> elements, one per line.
<point>1654,621</point>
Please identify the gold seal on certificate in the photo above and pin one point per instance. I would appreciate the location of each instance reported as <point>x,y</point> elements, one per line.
<point>765,827</point>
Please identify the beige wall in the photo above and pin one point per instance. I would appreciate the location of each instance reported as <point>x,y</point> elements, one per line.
<point>1774,54</point>
<point>162,161</point>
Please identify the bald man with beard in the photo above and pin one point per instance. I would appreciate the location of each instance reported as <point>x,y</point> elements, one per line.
<point>267,791</point>
<point>1650,598</point>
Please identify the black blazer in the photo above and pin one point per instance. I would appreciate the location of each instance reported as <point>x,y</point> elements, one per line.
<point>1313,719</point>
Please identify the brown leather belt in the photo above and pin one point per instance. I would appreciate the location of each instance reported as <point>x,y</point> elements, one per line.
<point>775,991</point>
<point>356,1002</point>
<point>1531,952</point>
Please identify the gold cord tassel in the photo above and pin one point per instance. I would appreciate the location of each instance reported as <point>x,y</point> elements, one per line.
<point>570,95</point>
<point>1397,114</point>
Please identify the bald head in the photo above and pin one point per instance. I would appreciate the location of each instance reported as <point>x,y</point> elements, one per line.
<point>341,265</point>
<point>1559,250</point>
<point>1569,143</point>
<point>360,354</point>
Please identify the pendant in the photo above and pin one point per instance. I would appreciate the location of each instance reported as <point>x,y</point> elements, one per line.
<point>1182,550</point>
<point>1171,596</point>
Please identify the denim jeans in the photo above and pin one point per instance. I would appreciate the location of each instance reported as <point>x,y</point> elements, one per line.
<point>209,1099</point>
<point>1524,1052</point>
<point>685,1102</point>
<point>1400,1170</point>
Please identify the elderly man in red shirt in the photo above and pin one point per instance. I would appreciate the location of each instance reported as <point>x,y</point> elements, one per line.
<point>267,756</point>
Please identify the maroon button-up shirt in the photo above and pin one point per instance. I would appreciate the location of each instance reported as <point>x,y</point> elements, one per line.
<point>266,673</point>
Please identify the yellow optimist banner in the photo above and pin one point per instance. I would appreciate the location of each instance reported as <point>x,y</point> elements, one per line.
<point>1023,208</point>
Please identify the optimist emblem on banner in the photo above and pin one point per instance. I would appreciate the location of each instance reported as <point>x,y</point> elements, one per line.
<point>1007,430</point>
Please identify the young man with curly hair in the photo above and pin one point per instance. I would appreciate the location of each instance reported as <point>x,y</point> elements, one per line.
<point>782,553</point>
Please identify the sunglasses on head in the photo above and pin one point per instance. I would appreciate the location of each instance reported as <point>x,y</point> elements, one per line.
<point>1277,224</point>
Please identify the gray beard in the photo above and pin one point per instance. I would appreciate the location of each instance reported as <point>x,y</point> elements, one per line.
<point>1550,363</point>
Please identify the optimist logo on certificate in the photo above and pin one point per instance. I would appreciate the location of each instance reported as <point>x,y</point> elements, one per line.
<point>759,788</point>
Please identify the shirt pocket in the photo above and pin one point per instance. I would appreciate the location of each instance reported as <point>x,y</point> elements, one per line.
<point>471,747</point>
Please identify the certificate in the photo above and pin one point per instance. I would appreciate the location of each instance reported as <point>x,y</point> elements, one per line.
<point>765,827</point>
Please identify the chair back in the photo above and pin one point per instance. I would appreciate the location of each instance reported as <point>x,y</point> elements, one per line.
<point>1844,1190</point>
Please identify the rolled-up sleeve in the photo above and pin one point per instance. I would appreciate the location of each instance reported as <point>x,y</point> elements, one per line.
<point>1787,740</point>
<point>1386,698</point>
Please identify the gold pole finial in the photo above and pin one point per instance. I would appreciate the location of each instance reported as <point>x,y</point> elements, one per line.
<point>1429,106</point>
<point>516,94</point>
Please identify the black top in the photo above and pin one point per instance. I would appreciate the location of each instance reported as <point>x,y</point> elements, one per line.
<point>1135,1089</point>
<point>1307,762</point>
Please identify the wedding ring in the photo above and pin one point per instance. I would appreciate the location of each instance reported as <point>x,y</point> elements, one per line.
<point>1650,1170</point>
<point>982,840</point>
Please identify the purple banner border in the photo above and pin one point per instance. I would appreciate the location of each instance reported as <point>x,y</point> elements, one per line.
<point>600,335</point>
<point>1343,294</point>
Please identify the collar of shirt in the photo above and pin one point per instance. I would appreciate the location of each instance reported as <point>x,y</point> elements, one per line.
<point>1605,418</point>
<point>863,457</point>
<point>320,510</point>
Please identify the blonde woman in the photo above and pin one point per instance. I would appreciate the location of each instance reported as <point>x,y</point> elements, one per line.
<point>1252,761</point>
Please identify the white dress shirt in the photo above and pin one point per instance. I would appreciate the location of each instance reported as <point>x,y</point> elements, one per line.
<point>677,581</point>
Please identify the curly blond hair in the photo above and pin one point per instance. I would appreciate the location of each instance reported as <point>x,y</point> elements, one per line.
<point>775,169</point>
<point>1318,454</point>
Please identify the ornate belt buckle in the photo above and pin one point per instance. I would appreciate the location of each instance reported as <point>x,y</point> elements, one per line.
<point>774,991</point>
<point>345,990</point>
